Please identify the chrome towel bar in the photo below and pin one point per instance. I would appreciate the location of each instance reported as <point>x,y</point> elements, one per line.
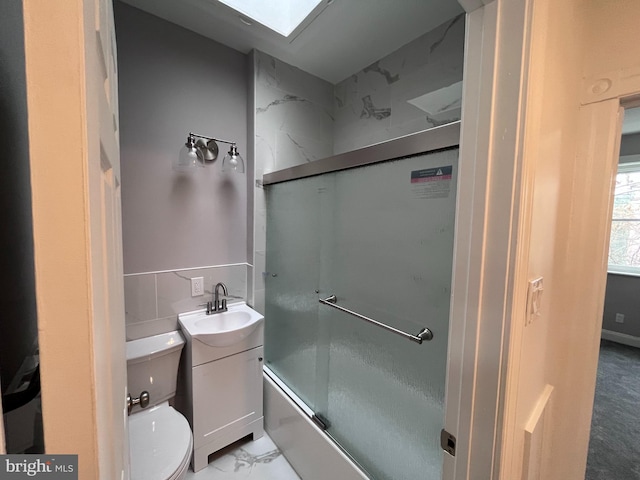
<point>423,335</point>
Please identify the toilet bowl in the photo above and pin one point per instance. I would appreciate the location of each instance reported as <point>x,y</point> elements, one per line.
<point>160,443</point>
<point>160,439</point>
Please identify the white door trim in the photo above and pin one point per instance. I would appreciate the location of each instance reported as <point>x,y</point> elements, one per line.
<point>468,245</point>
<point>487,226</point>
<point>74,159</point>
<point>58,159</point>
<point>486,255</point>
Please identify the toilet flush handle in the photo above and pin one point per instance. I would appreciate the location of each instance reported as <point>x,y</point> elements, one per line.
<point>142,400</point>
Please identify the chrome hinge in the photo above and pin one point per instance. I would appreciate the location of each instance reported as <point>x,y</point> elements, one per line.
<point>448,442</point>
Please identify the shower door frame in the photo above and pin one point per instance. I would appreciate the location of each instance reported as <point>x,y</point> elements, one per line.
<point>429,141</point>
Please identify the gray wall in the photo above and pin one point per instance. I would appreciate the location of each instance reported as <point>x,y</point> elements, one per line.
<point>622,296</point>
<point>173,81</point>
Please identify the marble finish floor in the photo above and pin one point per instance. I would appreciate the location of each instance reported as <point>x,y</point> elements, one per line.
<point>257,460</point>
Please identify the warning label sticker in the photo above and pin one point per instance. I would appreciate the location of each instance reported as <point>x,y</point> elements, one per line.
<point>432,182</point>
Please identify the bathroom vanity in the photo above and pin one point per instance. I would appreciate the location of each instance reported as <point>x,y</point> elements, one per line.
<point>221,392</point>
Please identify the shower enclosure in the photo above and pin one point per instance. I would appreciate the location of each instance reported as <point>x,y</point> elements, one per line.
<point>358,286</point>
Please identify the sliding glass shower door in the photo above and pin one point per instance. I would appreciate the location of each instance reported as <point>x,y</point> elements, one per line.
<point>293,263</point>
<point>376,241</point>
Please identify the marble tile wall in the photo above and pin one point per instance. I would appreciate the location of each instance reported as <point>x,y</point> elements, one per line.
<point>298,118</point>
<point>372,105</point>
<point>294,115</point>
<point>154,300</point>
<point>293,124</point>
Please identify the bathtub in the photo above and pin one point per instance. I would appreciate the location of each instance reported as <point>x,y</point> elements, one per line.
<point>309,450</point>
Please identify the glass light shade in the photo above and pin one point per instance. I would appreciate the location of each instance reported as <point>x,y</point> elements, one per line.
<point>232,161</point>
<point>189,157</point>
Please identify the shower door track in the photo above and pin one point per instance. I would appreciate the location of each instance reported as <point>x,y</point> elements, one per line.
<point>431,140</point>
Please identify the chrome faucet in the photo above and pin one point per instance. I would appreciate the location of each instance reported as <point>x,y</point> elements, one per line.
<point>219,305</point>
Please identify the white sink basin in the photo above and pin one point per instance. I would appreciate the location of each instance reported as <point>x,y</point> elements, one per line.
<point>221,329</point>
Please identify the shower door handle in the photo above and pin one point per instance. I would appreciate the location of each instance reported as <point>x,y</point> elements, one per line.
<point>423,335</point>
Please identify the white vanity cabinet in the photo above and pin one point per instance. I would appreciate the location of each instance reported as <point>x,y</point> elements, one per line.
<point>221,393</point>
<point>227,397</point>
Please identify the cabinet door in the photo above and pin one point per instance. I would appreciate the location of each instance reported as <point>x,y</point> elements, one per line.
<point>227,394</point>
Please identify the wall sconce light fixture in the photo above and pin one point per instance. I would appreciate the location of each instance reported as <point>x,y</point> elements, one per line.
<point>202,151</point>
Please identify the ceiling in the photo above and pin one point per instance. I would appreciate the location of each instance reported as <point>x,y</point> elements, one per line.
<point>339,38</point>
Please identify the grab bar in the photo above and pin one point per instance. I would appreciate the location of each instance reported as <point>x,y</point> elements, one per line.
<point>423,335</point>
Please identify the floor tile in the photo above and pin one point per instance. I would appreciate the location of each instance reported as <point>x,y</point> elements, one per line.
<point>255,460</point>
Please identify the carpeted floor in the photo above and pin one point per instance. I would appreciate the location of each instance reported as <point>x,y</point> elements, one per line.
<point>614,448</point>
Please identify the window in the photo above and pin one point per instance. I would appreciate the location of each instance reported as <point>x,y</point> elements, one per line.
<point>624,247</point>
<point>282,16</point>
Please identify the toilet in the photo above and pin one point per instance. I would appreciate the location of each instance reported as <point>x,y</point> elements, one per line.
<point>160,439</point>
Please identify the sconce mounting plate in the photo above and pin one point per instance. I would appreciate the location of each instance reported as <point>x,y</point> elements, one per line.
<point>208,149</point>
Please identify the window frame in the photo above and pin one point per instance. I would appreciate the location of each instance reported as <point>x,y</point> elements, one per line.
<point>627,164</point>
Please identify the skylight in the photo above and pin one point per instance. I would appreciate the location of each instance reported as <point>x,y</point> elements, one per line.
<point>282,16</point>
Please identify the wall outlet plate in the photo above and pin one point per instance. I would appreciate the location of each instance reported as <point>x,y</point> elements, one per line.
<point>197,286</point>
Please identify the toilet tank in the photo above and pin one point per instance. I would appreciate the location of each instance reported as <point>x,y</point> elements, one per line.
<point>152,365</point>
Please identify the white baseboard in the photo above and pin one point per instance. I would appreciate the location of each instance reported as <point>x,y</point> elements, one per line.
<point>622,338</point>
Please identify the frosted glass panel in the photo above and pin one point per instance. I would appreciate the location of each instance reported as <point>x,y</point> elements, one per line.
<point>380,238</point>
<point>291,309</point>
<point>389,258</point>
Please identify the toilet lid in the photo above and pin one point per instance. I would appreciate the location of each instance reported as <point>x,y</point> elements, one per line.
<point>160,442</point>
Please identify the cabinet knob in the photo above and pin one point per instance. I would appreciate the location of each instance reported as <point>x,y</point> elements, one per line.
<point>259,359</point>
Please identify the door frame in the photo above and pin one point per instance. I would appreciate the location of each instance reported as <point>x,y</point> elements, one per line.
<point>74,159</point>
<point>487,225</point>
